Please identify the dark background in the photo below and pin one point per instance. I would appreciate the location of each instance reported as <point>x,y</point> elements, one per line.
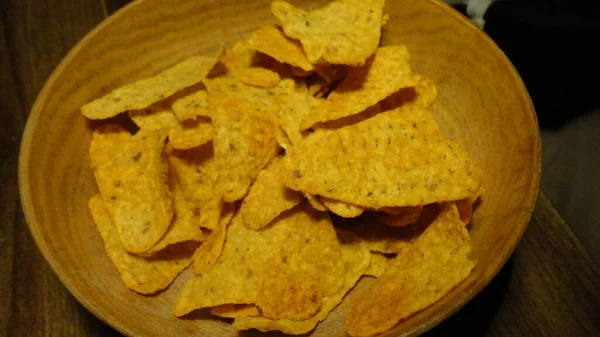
<point>554,46</point>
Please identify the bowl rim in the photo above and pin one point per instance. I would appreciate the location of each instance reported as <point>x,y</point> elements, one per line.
<point>29,213</point>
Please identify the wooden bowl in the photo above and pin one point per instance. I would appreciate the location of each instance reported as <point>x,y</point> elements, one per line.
<point>482,103</point>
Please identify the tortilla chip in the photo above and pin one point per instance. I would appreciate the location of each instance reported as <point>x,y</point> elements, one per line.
<point>356,261</point>
<point>268,186</point>
<point>307,235</point>
<point>343,32</point>
<point>133,184</point>
<point>379,264</point>
<point>342,209</point>
<point>244,144</point>
<point>210,250</point>
<point>385,73</point>
<point>142,275</point>
<point>407,216</point>
<point>419,276</point>
<point>235,310</point>
<point>389,160</point>
<point>197,172</point>
<point>191,106</point>
<point>184,226</point>
<point>144,93</point>
<point>270,40</point>
<point>259,77</point>
<point>191,133</point>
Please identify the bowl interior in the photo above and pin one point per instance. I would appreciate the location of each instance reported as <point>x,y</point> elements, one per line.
<point>482,104</point>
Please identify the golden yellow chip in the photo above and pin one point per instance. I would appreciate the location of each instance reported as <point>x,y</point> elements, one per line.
<point>146,92</point>
<point>419,276</point>
<point>388,160</point>
<point>244,144</point>
<point>268,197</point>
<point>191,133</point>
<point>259,77</point>
<point>197,172</point>
<point>387,72</point>
<point>133,184</point>
<point>403,216</point>
<point>307,237</point>
<point>235,310</point>
<point>184,226</point>
<point>356,261</point>
<point>210,250</point>
<point>191,106</point>
<point>142,275</point>
<point>379,264</point>
<point>272,41</point>
<point>343,32</point>
<point>342,209</point>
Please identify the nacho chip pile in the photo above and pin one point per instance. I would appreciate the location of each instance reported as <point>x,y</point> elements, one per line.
<point>283,169</point>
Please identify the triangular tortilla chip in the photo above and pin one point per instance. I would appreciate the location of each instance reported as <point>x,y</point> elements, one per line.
<point>419,276</point>
<point>270,40</point>
<point>393,159</point>
<point>387,72</point>
<point>144,93</point>
<point>305,237</point>
<point>197,172</point>
<point>356,260</point>
<point>142,275</point>
<point>343,32</point>
<point>184,226</point>
<point>210,250</point>
<point>133,184</point>
<point>244,144</point>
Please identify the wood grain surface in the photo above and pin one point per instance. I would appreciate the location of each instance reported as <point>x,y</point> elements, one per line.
<point>548,288</point>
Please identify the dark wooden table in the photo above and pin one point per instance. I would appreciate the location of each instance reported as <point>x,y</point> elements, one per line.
<point>550,286</point>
